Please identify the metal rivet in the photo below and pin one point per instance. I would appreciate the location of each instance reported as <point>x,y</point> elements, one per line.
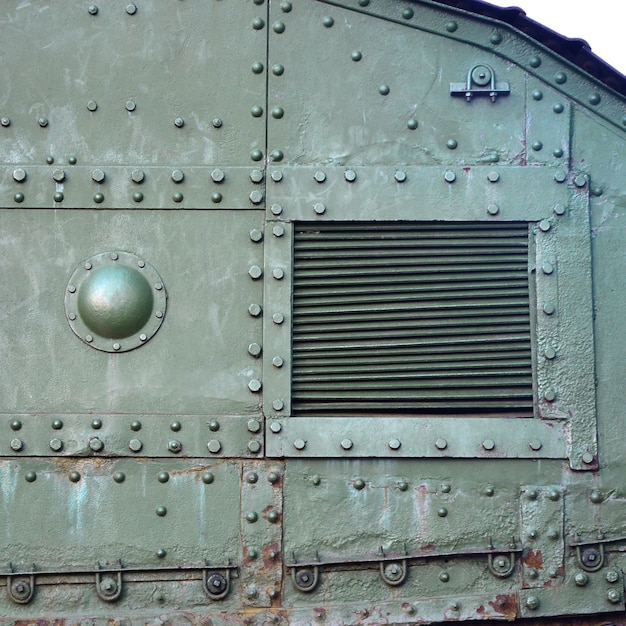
<point>277,176</point>
<point>451,144</point>
<point>214,446</point>
<point>489,444</point>
<point>137,196</point>
<point>30,476</point>
<point>537,146</point>
<point>545,225</point>
<point>176,426</point>
<point>537,94</point>
<point>161,511</point>
<point>588,458</point>
<point>346,444</point>
<point>558,107</point>
<point>535,444</point>
<point>278,231</point>
<point>442,512</point>
<point>117,346</point>
<point>549,353</point>
<point>278,318</point>
<point>43,122</point>
<point>254,349</point>
<point>534,61</point>
<point>252,477</point>
<point>407,14</point>
<point>177,176</point>
<point>490,491</point>
<point>328,21</point>
<point>74,477</point>
<point>316,480</point>
<point>277,155</point>
<point>5,121</point>
<point>58,196</point>
<point>356,55</point>
<point>278,112</point>
<point>88,338</point>
<point>412,124</point>
<point>278,69</point>
<point>96,424</point>
<point>256,176</point>
<point>278,27</point>
<point>278,273</point>
<point>554,495</point>
<point>532,602</point>
<point>177,197</point>
<point>560,176</point>
<point>273,517</point>
<point>158,314</point>
<point>216,197</point>
<point>285,7</point>
<point>254,385</point>
<point>444,577</point>
<point>580,180</point>
<point>560,78</point>
<point>559,209</point>
<point>255,272</point>
<point>359,484</point>
<point>319,208</point>
<point>19,175</point>
<point>557,152</point>
<point>161,553</point>
<point>597,191</point>
<point>252,517</point>
<point>547,268</point>
<point>97,175</point>
<point>217,122</point>
<point>57,424</point>
<point>451,27</point>
<point>16,445</point>
<point>493,209</point>
<point>549,308</point>
<point>350,175</point>
<point>394,444</point>
<point>449,176</point>
<point>137,176</point>
<point>98,198</point>
<point>612,576</point>
<point>299,444</point>
<point>131,9</point>
<point>384,90</point>
<point>207,478</point>
<point>400,176</point>
<point>256,111</point>
<point>179,122</point>
<point>581,579</point>
<point>130,106</point>
<point>174,446</point>
<point>254,426</point>
<point>276,209</point>
<point>258,23</point>
<point>441,444</point>
<point>119,477</point>
<point>256,155</point>
<point>92,105</point>
<point>278,404</point>
<point>254,310</point>
<point>319,176</point>
<point>56,444</point>
<point>493,176</point>
<point>18,197</point>
<point>163,477</point>
<point>275,427</point>
<point>16,424</point>
<point>57,175</point>
<point>278,361</point>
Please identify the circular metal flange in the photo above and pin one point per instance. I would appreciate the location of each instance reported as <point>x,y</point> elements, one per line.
<point>115,301</point>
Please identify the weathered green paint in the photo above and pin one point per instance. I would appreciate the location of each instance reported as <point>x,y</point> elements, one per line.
<point>196,136</point>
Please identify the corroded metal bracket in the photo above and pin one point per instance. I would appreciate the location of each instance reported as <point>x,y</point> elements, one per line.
<point>21,587</point>
<point>216,583</point>
<point>109,582</point>
<point>481,81</point>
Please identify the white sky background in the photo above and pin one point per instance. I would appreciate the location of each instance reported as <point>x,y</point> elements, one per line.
<point>600,23</point>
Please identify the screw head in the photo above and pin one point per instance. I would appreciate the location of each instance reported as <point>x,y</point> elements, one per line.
<point>613,596</point>
<point>174,446</point>
<point>16,445</point>
<point>532,602</point>
<point>56,444</point>
<point>95,444</point>
<point>346,444</point>
<point>214,446</point>
<point>581,579</point>
<point>135,445</point>
<point>299,444</point>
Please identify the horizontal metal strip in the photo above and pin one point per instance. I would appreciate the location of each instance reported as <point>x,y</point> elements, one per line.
<point>456,232</point>
<point>418,275</point>
<point>510,386</point>
<point>392,403</point>
<point>464,359</point>
<point>490,254</point>
<point>382,366</point>
<point>404,332</point>
<point>433,378</point>
<point>406,319</point>
<point>416,306</point>
<point>483,290</point>
<point>457,343</point>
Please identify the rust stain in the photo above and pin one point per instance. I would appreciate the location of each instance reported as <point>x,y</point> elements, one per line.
<point>505,605</point>
<point>534,559</point>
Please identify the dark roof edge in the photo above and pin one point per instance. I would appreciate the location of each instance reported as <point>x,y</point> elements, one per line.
<point>576,51</point>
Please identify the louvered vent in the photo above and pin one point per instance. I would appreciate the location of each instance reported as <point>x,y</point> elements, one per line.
<point>411,318</point>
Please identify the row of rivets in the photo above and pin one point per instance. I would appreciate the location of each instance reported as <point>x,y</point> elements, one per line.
<point>394,444</point>
<point>120,477</point>
<point>135,425</point>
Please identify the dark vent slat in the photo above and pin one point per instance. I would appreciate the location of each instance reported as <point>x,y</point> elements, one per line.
<point>406,318</point>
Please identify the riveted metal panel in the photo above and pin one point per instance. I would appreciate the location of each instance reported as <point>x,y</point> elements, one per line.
<point>190,371</point>
<point>117,90</point>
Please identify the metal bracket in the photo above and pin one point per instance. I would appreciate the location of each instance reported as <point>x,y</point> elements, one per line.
<point>501,565</point>
<point>394,573</point>
<point>109,588</point>
<point>216,583</point>
<point>305,579</point>
<point>481,81</point>
<point>21,587</point>
<point>590,554</point>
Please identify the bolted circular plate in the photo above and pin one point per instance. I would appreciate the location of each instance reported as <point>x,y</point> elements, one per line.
<point>115,301</point>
